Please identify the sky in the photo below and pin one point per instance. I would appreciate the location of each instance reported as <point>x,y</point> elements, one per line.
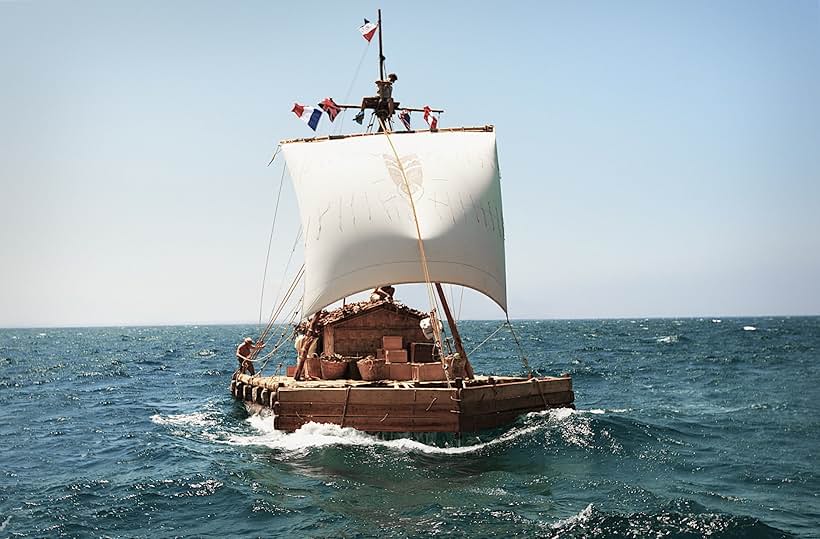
<point>658,159</point>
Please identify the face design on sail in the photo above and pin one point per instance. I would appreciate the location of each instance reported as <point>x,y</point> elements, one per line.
<point>411,163</point>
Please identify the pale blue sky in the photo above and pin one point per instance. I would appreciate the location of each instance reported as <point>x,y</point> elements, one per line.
<point>657,158</point>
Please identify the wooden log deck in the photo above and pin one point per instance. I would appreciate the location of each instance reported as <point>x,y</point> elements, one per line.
<point>484,402</point>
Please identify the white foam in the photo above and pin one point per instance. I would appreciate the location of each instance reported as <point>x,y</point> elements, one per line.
<point>749,328</point>
<point>716,320</point>
<point>313,435</point>
<point>580,518</point>
<point>668,339</point>
<point>570,425</point>
<point>601,411</point>
<point>196,419</point>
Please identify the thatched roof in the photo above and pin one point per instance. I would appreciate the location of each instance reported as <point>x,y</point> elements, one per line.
<point>352,310</point>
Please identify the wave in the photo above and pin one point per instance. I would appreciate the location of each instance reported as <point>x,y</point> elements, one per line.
<point>688,520</point>
<point>668,339</point>
<point>580,519</point>
<point>197,419</point>
<point>563,426</point>
<point>314,435</point>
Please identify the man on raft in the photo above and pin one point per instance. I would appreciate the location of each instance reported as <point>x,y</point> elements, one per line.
<point>243,355</point>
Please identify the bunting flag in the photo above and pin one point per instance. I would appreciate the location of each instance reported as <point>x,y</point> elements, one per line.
<point>368,30</point>
<point>330,106</point>
<point>309,115</point>
<point>359,118</point>
<point>431,120</point>
<point>404,116</point>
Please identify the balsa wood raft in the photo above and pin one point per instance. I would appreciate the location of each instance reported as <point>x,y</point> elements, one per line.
<point>403,406</point>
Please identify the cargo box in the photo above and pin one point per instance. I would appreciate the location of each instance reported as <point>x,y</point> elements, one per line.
<point>428,372</point>
<point>392,342</point>
<point>421,352</point>
<point>400,371</point>
<point>395,356</point>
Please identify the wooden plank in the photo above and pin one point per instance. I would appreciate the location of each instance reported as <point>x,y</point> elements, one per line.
<point>528,403</point>
<point>328,340</point>
<point>365,395</point>
<point>515,389</point>
<point>324,408</point>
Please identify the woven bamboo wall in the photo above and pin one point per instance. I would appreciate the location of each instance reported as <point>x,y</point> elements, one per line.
<point>362,335</point>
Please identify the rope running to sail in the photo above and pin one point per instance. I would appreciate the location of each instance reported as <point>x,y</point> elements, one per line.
<point>524,361</point>
<point>431,295</point>
<point>278,310</point>
<point>287,267</point>
<point>499,328</point>
<point>270,242</point>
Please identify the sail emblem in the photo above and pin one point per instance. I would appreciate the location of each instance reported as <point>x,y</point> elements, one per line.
<point>412,169</point>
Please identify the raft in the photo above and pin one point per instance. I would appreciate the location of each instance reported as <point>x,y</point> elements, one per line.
<point>484,402</point>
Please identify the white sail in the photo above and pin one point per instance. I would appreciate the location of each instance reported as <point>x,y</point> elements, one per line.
<point>358,220</point>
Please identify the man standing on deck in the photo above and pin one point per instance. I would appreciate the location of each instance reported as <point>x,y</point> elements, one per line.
<point>243,355</point>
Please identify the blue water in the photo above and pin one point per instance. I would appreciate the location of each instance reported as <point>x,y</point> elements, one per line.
<point>684,428</point>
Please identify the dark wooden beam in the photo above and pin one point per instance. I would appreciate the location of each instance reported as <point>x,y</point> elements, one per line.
<point>454,330</point>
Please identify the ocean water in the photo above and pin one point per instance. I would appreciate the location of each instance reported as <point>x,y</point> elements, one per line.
<point>684,428</point>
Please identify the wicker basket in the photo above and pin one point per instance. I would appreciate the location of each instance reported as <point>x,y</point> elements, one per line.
<point>333,369</point>
<point>313,368</point>
<point>456,366</point>
<point>372,369</point>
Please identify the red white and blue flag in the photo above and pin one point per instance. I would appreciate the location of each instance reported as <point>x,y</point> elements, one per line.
<point>368,30</point>
<point>309,115</point>
<point>330,106</point>
<point>404,116</point>
<point>431,120</point>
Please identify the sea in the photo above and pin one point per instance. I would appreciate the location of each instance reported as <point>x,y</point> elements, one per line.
<point>695,427</point>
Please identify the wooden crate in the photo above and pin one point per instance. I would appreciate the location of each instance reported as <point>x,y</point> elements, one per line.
<point>421,352</point>
<point>428,372</point>
<point>392,342</point>
<point>400,371</point>
<point>395,356</point>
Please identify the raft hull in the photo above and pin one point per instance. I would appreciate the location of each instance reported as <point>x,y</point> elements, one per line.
<point>483,403</point>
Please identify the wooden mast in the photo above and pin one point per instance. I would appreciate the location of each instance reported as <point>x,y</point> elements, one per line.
<point>454,330</point>
<point>381,53</point>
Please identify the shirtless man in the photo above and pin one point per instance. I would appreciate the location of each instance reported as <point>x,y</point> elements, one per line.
<point>243,355</point>
<point>383,292</point>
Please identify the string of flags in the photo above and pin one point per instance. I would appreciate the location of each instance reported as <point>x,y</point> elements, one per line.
<point>312,115</point>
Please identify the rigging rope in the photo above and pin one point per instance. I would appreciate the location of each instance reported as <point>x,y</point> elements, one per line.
<point>282,338</point>
<point>275,153</point>
<point>339,126</point>
<point>499,328</point>
<point>425,269</point>
<point>524,361</point>
<point>270,242</point>
<point>277,311</point>
<point>287,266</point>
